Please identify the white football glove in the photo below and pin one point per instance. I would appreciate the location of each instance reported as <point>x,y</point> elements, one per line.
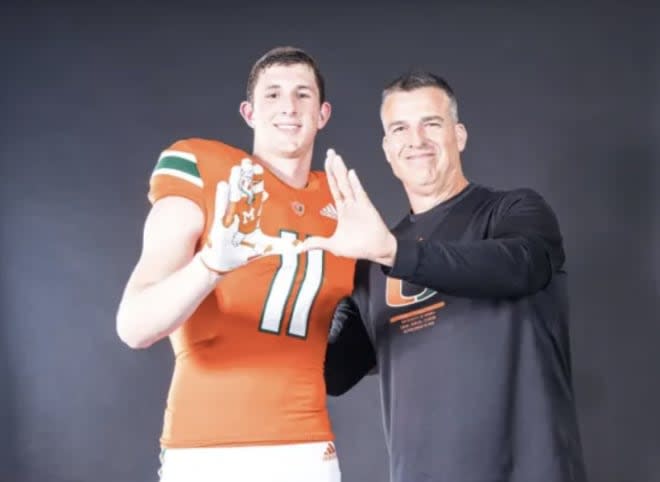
<point>235,237</point>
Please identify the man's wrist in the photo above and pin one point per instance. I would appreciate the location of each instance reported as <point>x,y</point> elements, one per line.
<point>389,252</point>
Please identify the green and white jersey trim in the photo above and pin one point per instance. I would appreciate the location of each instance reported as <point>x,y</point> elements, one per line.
<point>179,164</point>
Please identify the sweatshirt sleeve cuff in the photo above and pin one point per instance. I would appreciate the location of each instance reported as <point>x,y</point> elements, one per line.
<point>405,260</point>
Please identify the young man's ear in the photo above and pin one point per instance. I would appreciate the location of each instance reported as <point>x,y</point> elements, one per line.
<point>324,115</point>
<point>246,111</point>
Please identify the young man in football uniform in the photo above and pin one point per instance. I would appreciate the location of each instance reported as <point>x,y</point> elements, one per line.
<point>247,316</point>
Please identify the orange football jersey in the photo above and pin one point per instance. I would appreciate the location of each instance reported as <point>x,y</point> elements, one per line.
<point>249,361</point>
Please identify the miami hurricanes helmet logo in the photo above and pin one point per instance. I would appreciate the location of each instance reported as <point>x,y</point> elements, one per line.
<point>395,298</point>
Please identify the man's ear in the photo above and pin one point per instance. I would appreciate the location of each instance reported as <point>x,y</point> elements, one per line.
<point>247,111</point>
<point>385,145</point>
<point>461,136</point>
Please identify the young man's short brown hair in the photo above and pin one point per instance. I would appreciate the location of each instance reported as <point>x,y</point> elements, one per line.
<point>284,56</point>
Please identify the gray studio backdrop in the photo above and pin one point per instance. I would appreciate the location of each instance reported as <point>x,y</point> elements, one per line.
<point>561,99</point>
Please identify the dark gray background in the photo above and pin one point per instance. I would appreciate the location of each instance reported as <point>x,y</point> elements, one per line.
<point>562,99</point>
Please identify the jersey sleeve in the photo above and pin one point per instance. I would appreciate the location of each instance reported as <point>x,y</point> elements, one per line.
<point>177,174</point>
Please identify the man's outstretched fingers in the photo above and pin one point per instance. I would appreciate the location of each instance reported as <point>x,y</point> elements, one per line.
<point>356,186</point>
<point>332,180</point>
<point>341,175</point>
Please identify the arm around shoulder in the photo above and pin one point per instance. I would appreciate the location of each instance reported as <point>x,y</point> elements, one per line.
<point>350,354</point>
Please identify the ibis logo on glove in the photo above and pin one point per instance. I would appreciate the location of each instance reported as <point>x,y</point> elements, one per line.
<point>250,182</point>
<point>248,216</point>
<point>235,236</point>
<point>395,298</point>
<point>246,195</point>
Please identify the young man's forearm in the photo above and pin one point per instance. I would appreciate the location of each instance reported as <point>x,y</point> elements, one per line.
<point>151,312</point>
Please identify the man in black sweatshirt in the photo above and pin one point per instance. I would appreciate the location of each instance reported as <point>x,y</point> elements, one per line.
<point>462,307</point>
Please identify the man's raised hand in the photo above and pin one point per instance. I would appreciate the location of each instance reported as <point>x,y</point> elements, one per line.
<point>361,233</point>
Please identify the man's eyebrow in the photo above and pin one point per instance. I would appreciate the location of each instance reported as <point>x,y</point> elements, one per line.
<point>395,123</point>
<point>433,117</point>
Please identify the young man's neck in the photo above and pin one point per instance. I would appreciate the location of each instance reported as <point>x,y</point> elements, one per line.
<point>293,171</point>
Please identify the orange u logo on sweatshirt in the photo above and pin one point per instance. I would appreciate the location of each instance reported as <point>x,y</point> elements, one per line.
<point>395,298</point>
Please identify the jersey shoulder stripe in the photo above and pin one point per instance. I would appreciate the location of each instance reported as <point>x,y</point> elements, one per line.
<point>180,164</point>
<point>177,173</point>
<point>186,167</point>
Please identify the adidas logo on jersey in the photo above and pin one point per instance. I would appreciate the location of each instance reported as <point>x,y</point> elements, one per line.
<point>330,452</point>
<point>329,212</point>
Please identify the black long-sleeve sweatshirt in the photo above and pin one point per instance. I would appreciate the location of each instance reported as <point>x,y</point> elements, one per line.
<point>469,331</point>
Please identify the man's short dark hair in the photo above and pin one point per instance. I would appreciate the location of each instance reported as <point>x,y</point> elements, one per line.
<point>416,80</point>
<point>284,56</point>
